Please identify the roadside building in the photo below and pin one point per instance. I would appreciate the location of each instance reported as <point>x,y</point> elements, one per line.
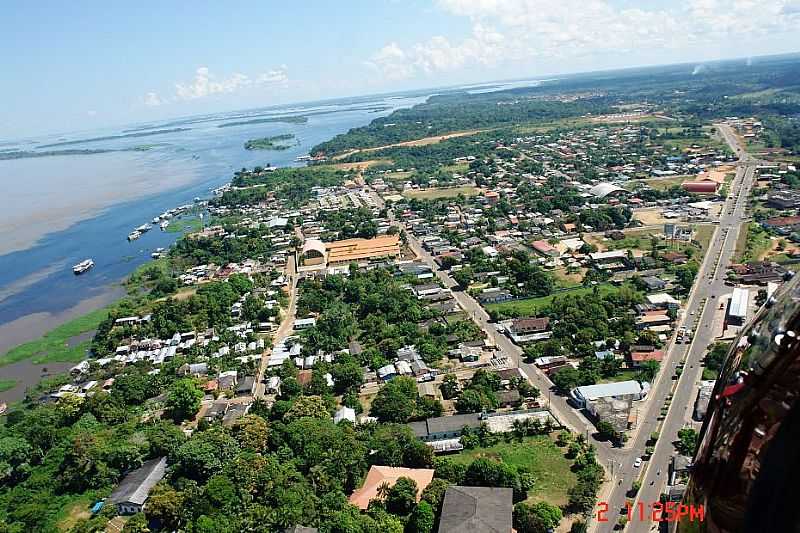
<point>621,390</point>
<point>700,187</point>
<point>737,310</point>
<point>703,398</point>
<point>637,358</point>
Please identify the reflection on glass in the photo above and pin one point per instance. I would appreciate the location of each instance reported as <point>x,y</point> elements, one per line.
<point>747,467</point>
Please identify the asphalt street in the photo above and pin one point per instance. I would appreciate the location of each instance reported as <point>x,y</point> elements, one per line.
<point>699,317</point>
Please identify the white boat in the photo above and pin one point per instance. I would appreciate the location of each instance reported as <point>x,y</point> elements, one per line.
<point>144,228</point>
<point>156,219</point>
<point>132,236</point>
<point>164,225</point>
<point>83,266</point>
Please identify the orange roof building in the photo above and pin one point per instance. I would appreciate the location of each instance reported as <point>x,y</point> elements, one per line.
<point>378,475</point>
<point>349,250</point>
<point>700,187</point>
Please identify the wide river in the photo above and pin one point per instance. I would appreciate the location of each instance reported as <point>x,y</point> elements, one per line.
<point>60,210</point>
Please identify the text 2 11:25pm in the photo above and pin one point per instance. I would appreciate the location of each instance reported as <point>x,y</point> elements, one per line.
<point>656,512</point>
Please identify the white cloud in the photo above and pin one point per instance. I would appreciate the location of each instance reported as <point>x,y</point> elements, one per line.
<point>152,99</point>
<point>206,84</point>
<point>392,62</point>
<point>508,31</point>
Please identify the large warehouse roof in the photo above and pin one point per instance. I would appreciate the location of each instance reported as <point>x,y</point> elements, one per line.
<point>601,190</point>
<point>738,307</point>
<point>315,245</point>
<point>357,249</point>
<point>605,390</point>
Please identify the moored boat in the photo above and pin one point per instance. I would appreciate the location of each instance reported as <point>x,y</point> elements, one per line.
<point>132,236</point>
<point>83,266</point>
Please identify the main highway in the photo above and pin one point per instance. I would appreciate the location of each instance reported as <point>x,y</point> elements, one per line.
<point>699,316</point>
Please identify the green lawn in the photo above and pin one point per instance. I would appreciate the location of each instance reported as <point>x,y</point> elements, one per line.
<point>52,346</point>
<point>433,194</point>
<point>530,306</point>
<point>186,225</point>
<point>703,234</point>
<point>659,184</point>
<point>541,456</point>
<point>753,241</point>
<point>7,384</point>
<point>623,375</point>
<point>635,240</point>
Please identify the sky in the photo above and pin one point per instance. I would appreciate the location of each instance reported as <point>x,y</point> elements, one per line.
<point>85,64</point>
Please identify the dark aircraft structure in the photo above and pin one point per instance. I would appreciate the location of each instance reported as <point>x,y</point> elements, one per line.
<point>746,471</point>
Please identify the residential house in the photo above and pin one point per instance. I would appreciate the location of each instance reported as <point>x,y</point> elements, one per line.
<point>227,380</point>
<point>477,510</point>
<point>131,494</point>
<point>444,427</point>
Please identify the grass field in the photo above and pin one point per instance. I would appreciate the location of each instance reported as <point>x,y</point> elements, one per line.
<point>703,234</point>
<point>659,184</point>
<point>634,240</point>
<point>185,225</point>
<point>53,345</point>
<point>433,194</point>
<point>567,279</point>
<point>639,239</point>
<point>7,384</point>
<point>531,306</point>
<point>541,456</point>
<point>623,375</point>
<point>752,243</point>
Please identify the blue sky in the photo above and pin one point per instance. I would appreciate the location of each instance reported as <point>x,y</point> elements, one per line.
<point>86,64</point>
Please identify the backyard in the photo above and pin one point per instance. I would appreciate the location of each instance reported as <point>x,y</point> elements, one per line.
<point>539,455</point>
<point>532,306</point>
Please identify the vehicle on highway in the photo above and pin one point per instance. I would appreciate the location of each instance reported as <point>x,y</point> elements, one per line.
<point>638,462</point>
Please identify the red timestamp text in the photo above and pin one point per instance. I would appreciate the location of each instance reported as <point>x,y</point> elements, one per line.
<point>656,512</point>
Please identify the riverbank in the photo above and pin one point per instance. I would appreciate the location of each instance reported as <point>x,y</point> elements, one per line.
<point>44,344</point>
<point>36,327</point>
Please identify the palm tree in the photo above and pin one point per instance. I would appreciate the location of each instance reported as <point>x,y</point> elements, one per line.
<point>383,490</point>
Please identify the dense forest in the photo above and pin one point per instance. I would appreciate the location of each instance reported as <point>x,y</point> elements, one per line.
<point>704,93</point>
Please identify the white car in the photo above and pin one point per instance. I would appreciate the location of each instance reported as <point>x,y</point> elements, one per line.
<point>638,462</point>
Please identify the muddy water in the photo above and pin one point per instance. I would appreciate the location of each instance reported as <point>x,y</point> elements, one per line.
<point>27,374</point>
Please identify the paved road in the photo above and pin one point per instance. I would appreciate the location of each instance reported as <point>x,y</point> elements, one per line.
<point>286,325</point>
<point>699,317</point>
